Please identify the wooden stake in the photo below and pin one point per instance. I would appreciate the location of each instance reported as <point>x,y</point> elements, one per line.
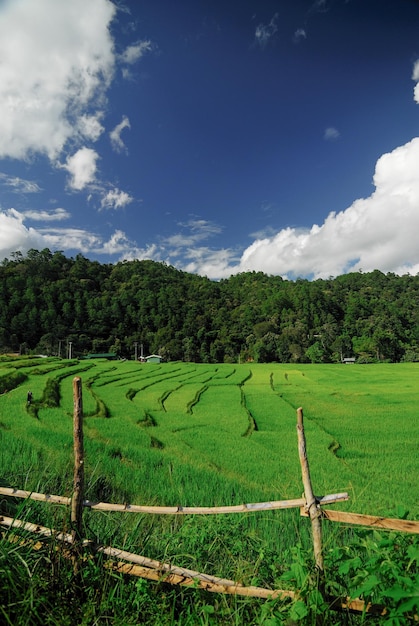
<point>311,503</point>
<point>78,482</point>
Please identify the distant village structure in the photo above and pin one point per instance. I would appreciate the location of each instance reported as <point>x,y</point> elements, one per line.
<point>153,358</point>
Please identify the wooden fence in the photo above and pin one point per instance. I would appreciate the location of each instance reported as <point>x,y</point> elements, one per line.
<point>137,565</point>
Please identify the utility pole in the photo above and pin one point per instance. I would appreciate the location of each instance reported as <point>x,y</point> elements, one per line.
<point>135,346</point>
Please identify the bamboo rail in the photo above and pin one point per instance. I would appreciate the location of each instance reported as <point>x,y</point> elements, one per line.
<point>174,510</point>
<point>213,587</point>
<point>358,519</point>
<point>386,523</point>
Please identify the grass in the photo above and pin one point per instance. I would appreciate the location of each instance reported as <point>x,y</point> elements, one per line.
<point>203,435</point>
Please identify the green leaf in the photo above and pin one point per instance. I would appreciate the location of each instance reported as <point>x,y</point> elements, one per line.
<point>413,554</point>
<point>397,593</point>
<point>298,610</point>
<point>346,566</point>
<point>369,584</point>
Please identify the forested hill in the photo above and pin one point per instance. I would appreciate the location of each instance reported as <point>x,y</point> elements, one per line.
<point>48,300</point>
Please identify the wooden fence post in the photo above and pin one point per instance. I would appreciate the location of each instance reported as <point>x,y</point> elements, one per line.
<point>311,504</point>
<point>78,482</point>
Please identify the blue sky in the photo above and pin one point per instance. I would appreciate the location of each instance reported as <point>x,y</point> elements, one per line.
<point>271,135</point>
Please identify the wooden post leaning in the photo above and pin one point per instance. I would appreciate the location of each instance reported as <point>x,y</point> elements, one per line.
<point>78,482</point>
<point>311,503</point>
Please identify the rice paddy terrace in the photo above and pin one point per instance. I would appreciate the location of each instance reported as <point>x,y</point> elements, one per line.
<point>187,434</point>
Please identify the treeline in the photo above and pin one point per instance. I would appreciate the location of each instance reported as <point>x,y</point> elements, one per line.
<point>49,301</point>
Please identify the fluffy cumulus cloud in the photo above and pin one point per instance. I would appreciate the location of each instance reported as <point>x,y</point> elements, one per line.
<point>90,126</point>
<point>379,232</point>
<point>115,199</point>
<point>15,236</point>
<point>57,62</point>
<point>53,63</point>
<point>415,77</point>
<point>82,168</point>
<point>118,243</point>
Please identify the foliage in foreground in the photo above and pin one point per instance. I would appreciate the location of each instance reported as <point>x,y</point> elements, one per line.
<point>38,586</point>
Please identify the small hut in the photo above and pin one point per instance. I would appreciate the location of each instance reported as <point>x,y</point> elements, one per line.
<point>153,358</point>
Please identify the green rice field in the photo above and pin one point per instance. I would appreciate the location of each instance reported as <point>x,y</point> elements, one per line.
<point>184,434</point>
<point>187,434</point>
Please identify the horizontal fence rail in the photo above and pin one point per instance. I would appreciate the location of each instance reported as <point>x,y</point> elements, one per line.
<point>175,510</point>
<point>375,521</point>
<point>357,519</point>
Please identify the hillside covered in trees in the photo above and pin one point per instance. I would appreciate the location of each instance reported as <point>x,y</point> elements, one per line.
<point>48,300</point>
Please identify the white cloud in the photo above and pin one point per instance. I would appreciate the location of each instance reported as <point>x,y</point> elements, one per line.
<point>299,34</point>
<point>331,134</point>
<point>196,230</point>
<point>379,232</point>
<point>56,59</point>
<point>82,168</point>
<point>115,135</point>
<point>86,242</point>
<point>71,239</point>
<point>19,185</point>
<point>15,236</point>
<point>90,126</point>
<point>182,250</point>
<point>134,52</point>
<point>117,244</point>
<point>57,215</point>
<point>265,32</point>
<point>213,264</point>
<point>415,77</point>
<point>115,199</point>
<point>150,252</point>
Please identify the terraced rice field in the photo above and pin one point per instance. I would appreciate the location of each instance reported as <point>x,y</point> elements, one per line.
<point>189,434</point>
